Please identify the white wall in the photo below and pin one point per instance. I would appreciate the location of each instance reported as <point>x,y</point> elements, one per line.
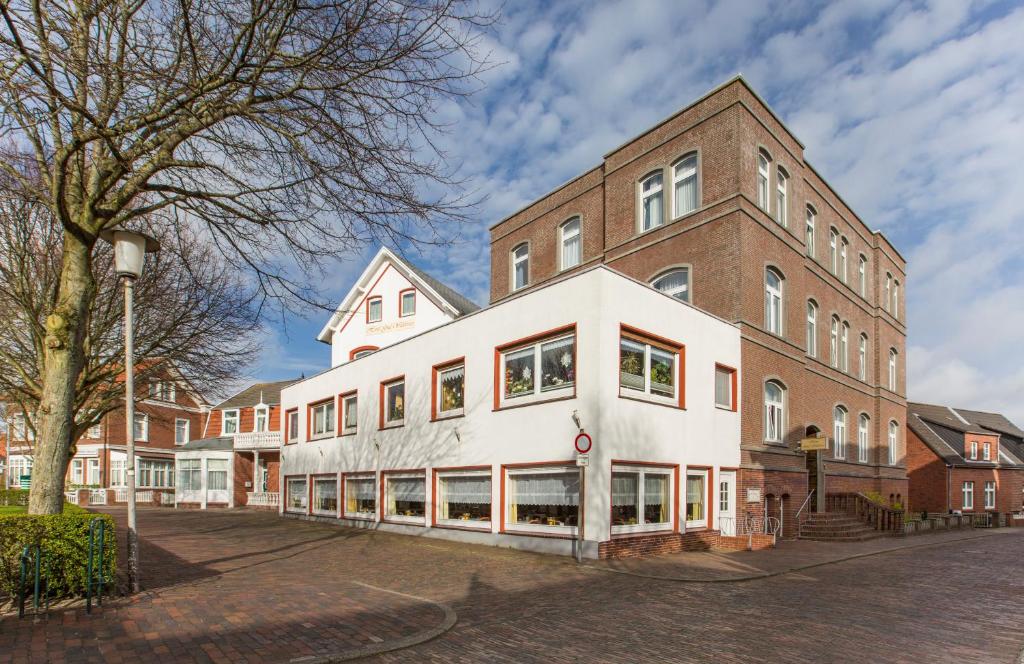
<point>597,301</point>
<point>202,496</point>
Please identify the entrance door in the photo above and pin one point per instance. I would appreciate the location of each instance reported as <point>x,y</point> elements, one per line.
<point>263,474</point>
<point>727,502</point>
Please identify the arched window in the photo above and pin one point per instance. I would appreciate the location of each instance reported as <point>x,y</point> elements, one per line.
<point>781,180</point>
<point>571,245</point>
<point>862,275</point>
<point>894,430</point>
<point>651,210</point>
<point>675,282</point>
<point>812,328</point>
<point>684,185</point>
<point>833,346</point>
<point>844,348</point>
<point>520,266</point>
<point>839,432</point>
<point>892,369</point>
<point>887,301</point>
<point>773,301</point>
<point>896,298</point>
<point>833,250</point>
<point>762,180</point>
<point>862,438</point>
<point>862,357</point>
<point>809,236</point>
<point>843,250</point>
<point>774,411</point>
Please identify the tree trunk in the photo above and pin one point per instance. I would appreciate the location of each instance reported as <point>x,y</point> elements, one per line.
<point>63,361</point>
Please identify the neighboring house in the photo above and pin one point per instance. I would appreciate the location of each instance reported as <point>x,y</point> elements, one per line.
<point>717,206</point>
<point>964,460</point>
<point>235,462</point>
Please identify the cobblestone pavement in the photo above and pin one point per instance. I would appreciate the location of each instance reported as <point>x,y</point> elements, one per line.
<point>247,587</point>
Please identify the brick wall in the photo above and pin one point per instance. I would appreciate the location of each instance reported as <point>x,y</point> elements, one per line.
<point>638,546</point>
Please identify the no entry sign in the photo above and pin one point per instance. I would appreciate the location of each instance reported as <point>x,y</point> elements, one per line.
<point>583,443</point>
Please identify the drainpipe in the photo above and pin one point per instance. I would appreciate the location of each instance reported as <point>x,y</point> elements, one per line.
<point>949,489</point>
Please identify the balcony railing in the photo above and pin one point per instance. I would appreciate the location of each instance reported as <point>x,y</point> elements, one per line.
<point>258,440</point>
<point>263,499</point>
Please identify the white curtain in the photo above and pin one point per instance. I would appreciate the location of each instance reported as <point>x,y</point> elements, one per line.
<point>463,491</point>
<point>624,489</point>
<point>686,186</point>
<point>547,489</point>
<point>217,475</point>
<point>656,494</point>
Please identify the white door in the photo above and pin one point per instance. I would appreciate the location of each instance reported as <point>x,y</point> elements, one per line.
<point>727,502</point>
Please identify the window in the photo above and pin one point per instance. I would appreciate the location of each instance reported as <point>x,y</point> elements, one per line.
<point>405,498</point>
<point>464,499</point>
<point>862,357</point>
<point>990,495</point>
<point>360,497</point>
<point>812,328</point>
<point>887,302</point>
<point>773,301</point>
<point>95,432</point>
<point>349,413</point>
<point>180,431</point>
<point>896,298</point>
<point>834,343</point>
<point>520,266</point>
<point>20,427</point>
<point>762,181</point>
<point>449,388</point>
<point>141,428</point>
<point>862,438</point>
<point>843,251</point>
<point>157,474</point>
<point>781,178</point>
<point>696,514</point>
<point>725,387</point>
<point>893,433</point>
<point>647,367</point>
<point>229,422</point>
<point>392,403</point>
<point>986,451</point>
<point>862,275</point>
<point>844,348</point>
<point>321,419</point>
<point>651,214</point>
<point>362,352</point>
<point>20,467</point>
<point>723,498</point>
<point>92,473</point>
<point>325,495</point>
<point>374,309</point>
<point>189,474</point>
<point>675,283</point>
<point>543,369</point>
<point>974,450</point>
<point>839,432</point>
<point>774,411</point>
<point>217,474</point>
<point>260,417</point>
<point>118,475</point>
<point>406,305</point>
<point>162,390</point>
<point>809,236</point>
<point>297,498</point>
<point>641,499</point>
<point>543,499</point>
<point>968,495</point>
<point>292,418</point>
<point>684,186</point>
<point>833,250</point>
<point>571,244</point>
<point>77,472</point>
<point>892,369</point>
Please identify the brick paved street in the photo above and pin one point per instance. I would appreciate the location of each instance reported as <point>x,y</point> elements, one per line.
<point>250,587</point>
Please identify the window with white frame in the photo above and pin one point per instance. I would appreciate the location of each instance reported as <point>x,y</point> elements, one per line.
<point>974,450</point>
<point>773,301</point>
<point>20,428</point>
<point>95,432</point>
<point>394,403</point>
<point>812,328</point>
<point>990,495</point>
<point>725,392</point>
<point>229,422</point>
<point>141,428</point>
<point>360,497</point>
<point>296,494</point>
<point>809,232</point>
<point>968,495</point>
<point>407,304</point>
<point>892,369</point>
<point>774,411</point>
<point>986,451</point>
<point>19,467</point>
<point>844,247</point>
<point>839,432</point>
<point>118,475</point>
<point>833,348</point>
<point>571,243</point>
<point>675,282</point>
<point>641,498</point>
<point>321,419</point>
<point>896,298</point>
<point>781,180</point>
<point>162,390</point>
<point>92,473</point>
<point>292,418</point>
<point>349,413</point>
<point>181,427</point>
<point>863,427</point>
<point>540,370</point>
<point>862,276</point>
<point>652,213</point>
<point>893,440</point>
<point>325,495</point>
<point>216,474</point>
<point>374,309</point>
<point>464,499</point>
<point>844,348</point>
<point>405,498</point>
<point>156,473</point>
<point>261,417</point>
<point>543,499</point>
<point>762,181</point>
<point>862,357</point>
<point>647,368</point>
<point>450,390</point>
<point>189,474</point>
<point>833,251</point>
<point>520,266</point>
<point>887,295</point>
<point>696,498</point>
<point>77,476</point>
<point>684,186</point>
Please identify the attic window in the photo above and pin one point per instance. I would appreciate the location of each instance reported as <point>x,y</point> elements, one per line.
<point>407,304</point>
<point>374,310</point>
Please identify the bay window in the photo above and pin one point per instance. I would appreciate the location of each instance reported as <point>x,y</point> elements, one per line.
<point>229,422</point>
<point>543,499</point>
<point>641,499</point>
<point>321,419</point>
<point>189,474</point>
<point>92,472</point>
<point>570,242</point>
<point>392,403</point>
<point>520,266</point>
<point>296,495</point>
<point>325,495</point>
<point>118,475</point>
<point>156,474</point>
<point>651,212</point>
<point>684,186</point>
<point>405,498</point>
<point>540,370</point>
<point>349,413</point>
<point>77,472</point>
<point>360,497</point>
<point>648,367</point>
<point>449,388</point>
<point>696,497</point>
<point>464,499</point>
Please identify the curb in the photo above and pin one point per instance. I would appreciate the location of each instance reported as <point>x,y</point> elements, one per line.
<point>790,570</point>
<point>450,618</point>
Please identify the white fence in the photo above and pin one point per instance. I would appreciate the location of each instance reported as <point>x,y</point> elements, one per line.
<point>263,499</point>
<point>98,497</point>
<point>71,497</point>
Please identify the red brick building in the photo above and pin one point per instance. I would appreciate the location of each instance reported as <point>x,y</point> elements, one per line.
<point>964,460</point>
<point>717,206</point>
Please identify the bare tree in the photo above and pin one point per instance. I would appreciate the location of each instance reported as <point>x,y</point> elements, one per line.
<point>283,132</point>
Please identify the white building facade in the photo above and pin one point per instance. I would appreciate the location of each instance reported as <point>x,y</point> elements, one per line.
<point>465,429</point>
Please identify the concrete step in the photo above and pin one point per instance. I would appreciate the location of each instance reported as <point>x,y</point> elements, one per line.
<point>835,530</point>
<point>859,537</point>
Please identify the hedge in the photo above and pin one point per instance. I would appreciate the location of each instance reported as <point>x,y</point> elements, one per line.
<point>64,539</point>
<point>9,497</point>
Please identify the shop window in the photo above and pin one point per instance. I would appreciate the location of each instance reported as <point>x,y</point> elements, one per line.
<point>545,500</point>
<point>297,499</point>
<point>325,495</point>
<point>641,499</point>
<point>360,497</point>
<point>405,498</point>
<point>464,499</point>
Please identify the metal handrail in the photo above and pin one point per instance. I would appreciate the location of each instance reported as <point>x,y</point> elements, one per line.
<point>807,500</point>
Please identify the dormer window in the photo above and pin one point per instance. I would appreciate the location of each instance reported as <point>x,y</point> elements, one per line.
<point>407,303</point>
<point>986,451</point>
<point>374,309</point>
<point>974,450</point>
<point>162,390</point>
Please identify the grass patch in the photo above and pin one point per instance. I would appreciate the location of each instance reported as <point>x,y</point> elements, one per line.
<point>12,509</point>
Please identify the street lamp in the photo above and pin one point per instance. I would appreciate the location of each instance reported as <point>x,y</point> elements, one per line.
<point>130,248</point>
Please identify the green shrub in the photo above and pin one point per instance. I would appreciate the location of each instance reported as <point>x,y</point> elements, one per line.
<point>64,539</point>
<point>9,497</point>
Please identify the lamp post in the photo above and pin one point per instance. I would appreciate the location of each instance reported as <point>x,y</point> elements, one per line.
<point>129,250</point>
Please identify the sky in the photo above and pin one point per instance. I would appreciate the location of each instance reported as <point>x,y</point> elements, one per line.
<point>913,111</point>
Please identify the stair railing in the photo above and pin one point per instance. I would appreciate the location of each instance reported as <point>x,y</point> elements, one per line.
<point>800,513</point>
<point>879,516</point>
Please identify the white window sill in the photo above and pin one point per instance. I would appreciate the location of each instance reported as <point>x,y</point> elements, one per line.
<point>411,520</point>
<point>641,528</point>
<point>449,414</point>
<point>321,436</point>
<point>529,528</point>
<point>362,516</point>
<point>561,392</point>
<point>465,523</point>
<point>640,395</point>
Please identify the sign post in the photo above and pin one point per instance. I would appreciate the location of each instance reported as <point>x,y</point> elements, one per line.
<point>583,444</point>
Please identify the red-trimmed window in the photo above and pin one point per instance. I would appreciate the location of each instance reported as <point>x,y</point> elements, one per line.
<point>543,499</point>
<point>407,302</point>
<point>296,494</point>
<point>463,498</point>
<point>642,498</point>
<point>537,368</point>
<point>392,402</point>
<point>325,495</point>
<point>374,309</point>
<point>651,367</point>
<point>349,413</point>
<point>405,499</point>
<point>291,419</point>
<point>361,351</point>
<point>725,387</point>
<point>449,389</point>
<point>320,419</point>
<point>360,495</point>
